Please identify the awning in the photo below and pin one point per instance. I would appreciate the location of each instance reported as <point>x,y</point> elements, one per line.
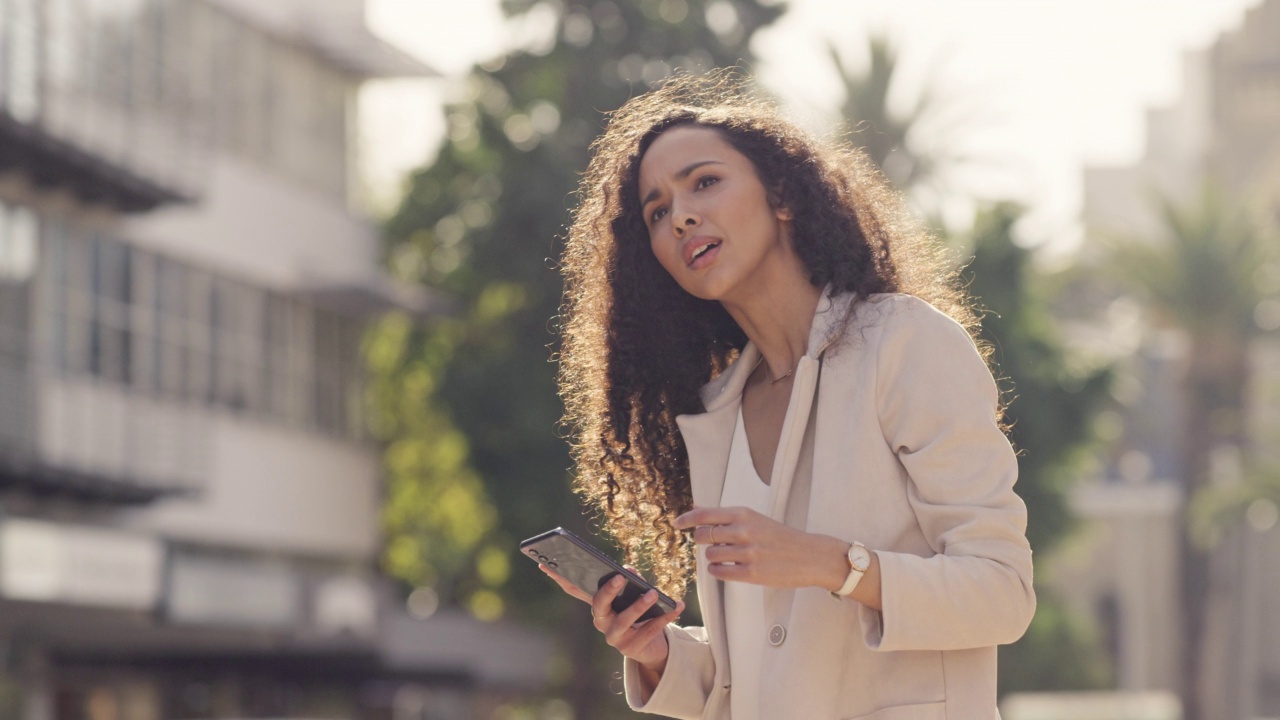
<point>334,29</point>
<point>375,295</point>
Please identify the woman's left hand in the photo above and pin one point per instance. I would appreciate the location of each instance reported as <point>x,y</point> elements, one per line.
<point>746,546</point>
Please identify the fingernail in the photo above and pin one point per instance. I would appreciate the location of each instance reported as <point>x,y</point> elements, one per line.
<point>651,595</point>
<point>617,581</point>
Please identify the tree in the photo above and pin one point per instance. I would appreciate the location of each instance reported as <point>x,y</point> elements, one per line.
<point>918,142</point>
<point>1201,278</point>
<point>1051,399</point>
<point>481,224</point>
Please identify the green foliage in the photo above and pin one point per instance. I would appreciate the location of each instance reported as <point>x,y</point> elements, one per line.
<point>482,224</point>
<point>1051,396</point>
<point>1051,400</point>
<point>1216,508</point>
<point>1059,652</point>
<point>437,513</point>
<point>1208,272</point>
<point>917,142</point>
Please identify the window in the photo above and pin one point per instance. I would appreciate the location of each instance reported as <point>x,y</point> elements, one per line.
<point>338,382</point>
<point>169,346</point>
<point>110,343</point>
<point>78,296</point>
<point>18,229</point>
<point>198,336</point>
<point>62,45</point>
<point>239,313</point>
<point>182,342</point>
<point>144,324</point>
<point>53,251</point>
<point>22,69</point>
<point>149,54</point>
<point>288,109</point>
<point>277,373</point>
<point>159,327</point>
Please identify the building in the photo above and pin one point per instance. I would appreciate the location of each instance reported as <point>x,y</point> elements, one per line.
<point>1223,128</point>
<point>188,500</point>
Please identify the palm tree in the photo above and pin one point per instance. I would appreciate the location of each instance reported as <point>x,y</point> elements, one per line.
<point>920,150</point>
<point>1199,278</point>
<point>919,147</point>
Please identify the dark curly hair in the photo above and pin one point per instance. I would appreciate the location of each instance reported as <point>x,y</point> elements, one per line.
<point>637,348</point>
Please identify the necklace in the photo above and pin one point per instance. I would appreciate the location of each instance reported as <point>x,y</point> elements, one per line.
<point>780,378</point>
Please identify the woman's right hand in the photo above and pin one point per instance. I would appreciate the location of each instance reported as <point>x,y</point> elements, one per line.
<point>643,642</point>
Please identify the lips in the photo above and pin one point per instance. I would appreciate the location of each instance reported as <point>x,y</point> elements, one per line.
<point>698,248</point>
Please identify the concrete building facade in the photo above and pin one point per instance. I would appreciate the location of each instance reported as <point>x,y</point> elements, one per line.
<point>1222,129</point>
<point>189,502</point>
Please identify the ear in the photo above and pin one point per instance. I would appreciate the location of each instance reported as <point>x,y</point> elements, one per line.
<point>780,211</point>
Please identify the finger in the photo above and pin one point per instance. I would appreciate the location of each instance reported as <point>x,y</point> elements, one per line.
<point>706,516</point>
<point>717,554</point>
<point>631,615</point>
<point>622,626</point>
<point>717,534</point>
<point>601,604</point>
<point>565,585</point>
<point>734,573</point>
<point>645,632</point>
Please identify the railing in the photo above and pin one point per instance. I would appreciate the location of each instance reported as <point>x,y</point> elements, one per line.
<point>96,96</point>
<point>126,447</point>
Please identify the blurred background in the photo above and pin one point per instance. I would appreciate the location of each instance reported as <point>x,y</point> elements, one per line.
<point>277,300</point>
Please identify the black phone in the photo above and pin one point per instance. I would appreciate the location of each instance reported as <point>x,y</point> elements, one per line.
<point>579,562</point>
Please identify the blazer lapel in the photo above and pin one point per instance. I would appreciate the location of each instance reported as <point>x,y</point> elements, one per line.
<point>826,323</point>
<point>708,437</point>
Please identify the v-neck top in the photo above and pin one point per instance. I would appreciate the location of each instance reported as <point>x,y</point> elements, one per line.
<point>744,602</point>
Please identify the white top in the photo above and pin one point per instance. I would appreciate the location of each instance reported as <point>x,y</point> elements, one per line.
<point>744,602</point>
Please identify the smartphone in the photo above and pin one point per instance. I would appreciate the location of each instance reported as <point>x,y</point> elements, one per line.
<point>577,561</point>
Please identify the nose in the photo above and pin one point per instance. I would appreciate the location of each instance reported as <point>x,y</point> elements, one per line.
<point>684,222</point>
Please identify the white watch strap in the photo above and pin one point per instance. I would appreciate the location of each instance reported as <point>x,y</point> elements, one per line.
<point>854,577</point>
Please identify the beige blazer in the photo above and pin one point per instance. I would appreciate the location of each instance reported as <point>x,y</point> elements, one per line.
<point>892,436</point>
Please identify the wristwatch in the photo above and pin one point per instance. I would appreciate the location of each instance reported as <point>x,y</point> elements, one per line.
<point>859,560</point>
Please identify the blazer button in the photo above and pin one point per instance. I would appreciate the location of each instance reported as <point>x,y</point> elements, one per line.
<point>777,634</point>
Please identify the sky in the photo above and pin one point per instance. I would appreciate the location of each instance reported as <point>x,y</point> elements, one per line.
<point>1055,84</point>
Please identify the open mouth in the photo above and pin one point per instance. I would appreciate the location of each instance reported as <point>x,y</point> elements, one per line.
<point>704,250</point>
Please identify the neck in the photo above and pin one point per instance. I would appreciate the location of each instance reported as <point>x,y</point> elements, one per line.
<point>776,318</point>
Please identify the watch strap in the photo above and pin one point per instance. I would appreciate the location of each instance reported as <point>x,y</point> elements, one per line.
<point>855,574</point>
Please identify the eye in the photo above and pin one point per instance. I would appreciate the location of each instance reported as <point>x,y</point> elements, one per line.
<point>707,181</point>
<point>657,214</point>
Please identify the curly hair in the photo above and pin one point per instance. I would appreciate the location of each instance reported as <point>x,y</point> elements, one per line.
<point>636,348</point>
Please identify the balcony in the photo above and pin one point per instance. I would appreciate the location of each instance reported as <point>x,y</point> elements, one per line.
<point>93,101</point>
<point>86,441</point>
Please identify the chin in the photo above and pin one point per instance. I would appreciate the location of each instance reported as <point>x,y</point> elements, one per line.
<point>707,289</point>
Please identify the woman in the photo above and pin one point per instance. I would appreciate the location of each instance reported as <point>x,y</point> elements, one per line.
<point>768,375</point>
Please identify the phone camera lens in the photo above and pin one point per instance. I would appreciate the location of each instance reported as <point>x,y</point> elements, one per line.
<point>552,564</point>
<point>543,558</point>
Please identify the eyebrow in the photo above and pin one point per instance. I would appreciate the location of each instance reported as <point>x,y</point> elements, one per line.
<point>688,169</point>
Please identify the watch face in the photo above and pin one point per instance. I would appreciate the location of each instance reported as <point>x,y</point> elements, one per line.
<point>859,558</point>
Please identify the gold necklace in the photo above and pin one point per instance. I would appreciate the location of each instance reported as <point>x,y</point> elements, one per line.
<point>780,378</point>
<point>775,381</point>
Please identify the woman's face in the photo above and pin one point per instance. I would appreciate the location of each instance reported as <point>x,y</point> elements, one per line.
<point>710,222</point>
